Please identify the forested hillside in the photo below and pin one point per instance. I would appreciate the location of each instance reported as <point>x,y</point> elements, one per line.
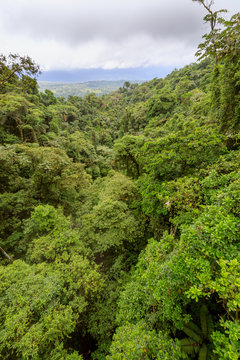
<point>120,214</point>
<point>80,88</point>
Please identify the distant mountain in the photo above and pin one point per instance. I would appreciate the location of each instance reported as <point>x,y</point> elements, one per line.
<point>83,75</point>
<point>81,89</point>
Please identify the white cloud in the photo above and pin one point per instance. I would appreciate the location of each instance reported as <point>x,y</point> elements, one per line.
<point>67,34</point>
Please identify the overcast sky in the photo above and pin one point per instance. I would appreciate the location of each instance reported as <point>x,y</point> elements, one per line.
<point>70,34</point>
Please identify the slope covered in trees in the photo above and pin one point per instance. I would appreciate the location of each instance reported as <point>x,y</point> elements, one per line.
<point>120,214</point>
<point>81,88</point>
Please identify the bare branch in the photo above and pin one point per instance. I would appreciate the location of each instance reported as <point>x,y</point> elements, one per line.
<point>5,254</point>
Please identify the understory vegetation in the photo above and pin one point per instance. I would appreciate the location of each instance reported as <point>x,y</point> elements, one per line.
<point>120,214</point>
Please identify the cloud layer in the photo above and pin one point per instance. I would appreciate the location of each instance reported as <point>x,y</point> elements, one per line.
<point>104,33</point>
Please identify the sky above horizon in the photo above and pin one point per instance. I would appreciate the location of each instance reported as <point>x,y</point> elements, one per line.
<point>107,34</point>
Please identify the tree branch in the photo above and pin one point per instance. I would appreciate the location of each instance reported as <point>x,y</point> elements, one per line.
<point>5,254</point>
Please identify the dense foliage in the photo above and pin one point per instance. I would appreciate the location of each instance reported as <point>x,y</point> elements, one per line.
<point>120,214</point>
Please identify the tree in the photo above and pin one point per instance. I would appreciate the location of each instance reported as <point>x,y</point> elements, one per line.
<point>137,342</point>
<point>223,44</point>
<point>212,17</point>
<point>43,299</point>
<point>15,68</point>
<point>127,154</point>
<point>47,98</point>
<point>31,175</point>
<point>20,117</point>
